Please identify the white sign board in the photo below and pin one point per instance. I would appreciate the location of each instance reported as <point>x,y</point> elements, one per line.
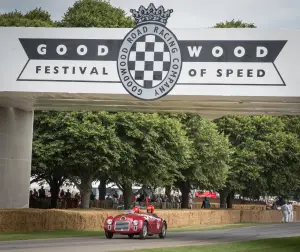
<point>150,61</point>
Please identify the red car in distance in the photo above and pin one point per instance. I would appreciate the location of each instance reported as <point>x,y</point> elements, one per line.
<point>131,224</point>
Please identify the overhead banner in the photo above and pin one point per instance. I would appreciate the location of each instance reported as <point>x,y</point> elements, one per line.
<point>150,60</point>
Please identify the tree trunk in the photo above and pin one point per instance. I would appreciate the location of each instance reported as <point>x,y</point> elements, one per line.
<point>127,195</point>
<point>229,199</point>
<point>223,197</point>
<point>54,190</point>
<point>168,191</point>
<point>102,189</point>
<point>85,200</point>
<point>185,190</point>
<point>85,189</point>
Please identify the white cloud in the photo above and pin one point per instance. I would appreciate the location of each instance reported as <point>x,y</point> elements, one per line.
<point>191,13</point>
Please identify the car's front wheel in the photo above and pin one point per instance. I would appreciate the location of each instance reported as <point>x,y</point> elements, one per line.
<point>109,235</point>
<point>144,232</point>
<point>163,232</point>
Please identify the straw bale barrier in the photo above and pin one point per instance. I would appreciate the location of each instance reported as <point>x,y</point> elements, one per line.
<point>269,216</point>
<point>250,207</point>
<point>108,204</point>
<point>297,212</point>
<point>26,220</point>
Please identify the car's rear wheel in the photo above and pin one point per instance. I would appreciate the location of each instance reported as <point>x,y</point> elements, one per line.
<point>109,235</point>
<point>131,236</point>
<point>144,232</point>
<point>163,232</point>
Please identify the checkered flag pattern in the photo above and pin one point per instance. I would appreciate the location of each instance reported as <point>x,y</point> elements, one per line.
<point>149,61</point>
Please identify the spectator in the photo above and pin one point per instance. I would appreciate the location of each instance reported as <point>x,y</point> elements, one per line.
<point>190,200</point>
<point>62,193</point>
<point>116,195</point>
<point>206,203</point>
<point>42,193</point>
<point>93,196</point>
<point>68,194</point>
<point>35,193</point>
<point>108,197</point>
<point>31,195</point>
<point>274,206</point>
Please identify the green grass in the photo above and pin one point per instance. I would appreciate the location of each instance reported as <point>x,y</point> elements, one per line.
<point>73,233</point>
<point>48,235</point>
<point>216,227</point>
<point>272,245</point>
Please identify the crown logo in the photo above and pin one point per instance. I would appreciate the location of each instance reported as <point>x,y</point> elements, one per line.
<point>151,14</point>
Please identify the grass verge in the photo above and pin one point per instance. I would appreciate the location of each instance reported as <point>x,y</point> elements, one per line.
<point>75,233</point>
<point>275,245</point>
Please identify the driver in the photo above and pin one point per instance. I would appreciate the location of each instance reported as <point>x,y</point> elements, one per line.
<point>150,210</point>
<point>136,209</point>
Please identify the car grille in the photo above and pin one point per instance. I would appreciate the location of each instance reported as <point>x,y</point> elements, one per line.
<point>122,225</point>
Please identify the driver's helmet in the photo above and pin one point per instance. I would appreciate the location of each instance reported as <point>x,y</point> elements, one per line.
<point>150,209</point>
<point>136,209</point>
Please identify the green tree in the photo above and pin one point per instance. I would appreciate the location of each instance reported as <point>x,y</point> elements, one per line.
<point>234,24</point>
<point>246,134</point>
<point>292,125</point>
<point>95,13</point>
<point>153,150</point>
<point>211,154</point>
<point>34,18</point>
<point>91,147</point>
<point>76,146</point>
<point>48,155</point>
<point>265,159</point>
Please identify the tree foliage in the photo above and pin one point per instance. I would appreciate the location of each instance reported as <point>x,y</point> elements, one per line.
<point>49,161</point>
<point>153,148</point>
<point>266,157</point>
<point>234,24</point>
<point>95,13</point>
<point>208,167</point>
<point>34,18</point>
<point>82,143</point>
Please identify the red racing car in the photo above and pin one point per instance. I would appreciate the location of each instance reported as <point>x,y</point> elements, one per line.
<point>131,223</point>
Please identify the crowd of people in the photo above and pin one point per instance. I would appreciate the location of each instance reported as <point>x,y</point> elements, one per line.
<point>43,194</point>
<point>140,197</point>
<point>143,198</point>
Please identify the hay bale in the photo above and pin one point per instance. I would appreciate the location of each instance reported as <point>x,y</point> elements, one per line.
<point>21,220</point>
<point>249,207</point>
<point>26,220</point>
<point>180,218</point>
<point>297,212</point>
<point>260,216</point>
<point>230,216</point>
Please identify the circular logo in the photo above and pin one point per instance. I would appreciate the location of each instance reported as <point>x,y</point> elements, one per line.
<point>149,61</point>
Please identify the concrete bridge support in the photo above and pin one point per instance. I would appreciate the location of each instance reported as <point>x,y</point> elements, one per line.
<point>16,132</point>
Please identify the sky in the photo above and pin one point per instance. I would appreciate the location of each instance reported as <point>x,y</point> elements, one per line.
<point>266,14</point>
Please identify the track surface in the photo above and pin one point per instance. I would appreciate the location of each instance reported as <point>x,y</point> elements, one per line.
<point>119,243</point>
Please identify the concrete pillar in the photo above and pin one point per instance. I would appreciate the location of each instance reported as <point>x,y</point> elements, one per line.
<point>16,132</point>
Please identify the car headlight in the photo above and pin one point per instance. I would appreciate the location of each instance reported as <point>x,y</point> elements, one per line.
<point>109,222</point>
<point>135,222</point>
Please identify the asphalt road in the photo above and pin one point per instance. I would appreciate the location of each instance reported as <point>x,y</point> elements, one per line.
<point>120,243</point>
